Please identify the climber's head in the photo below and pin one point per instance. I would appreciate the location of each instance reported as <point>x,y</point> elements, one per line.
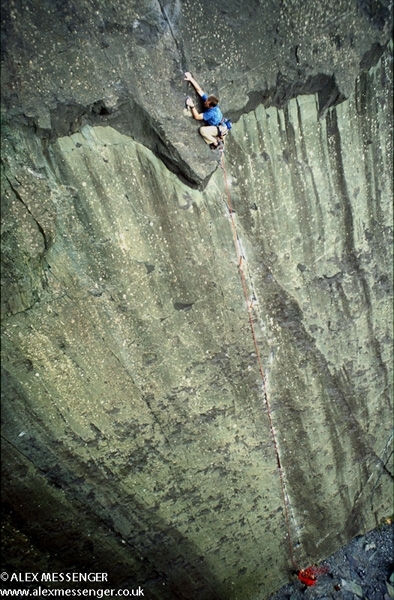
<point>211,101</point>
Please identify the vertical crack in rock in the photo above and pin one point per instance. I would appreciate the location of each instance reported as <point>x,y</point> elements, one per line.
<point>334,143</point>
<point>39,226</point>
<point>178,43</point>
<point>350,259</point>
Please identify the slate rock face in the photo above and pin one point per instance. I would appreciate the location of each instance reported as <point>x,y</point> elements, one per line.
<point>137,435</point>
<point>122,63</point>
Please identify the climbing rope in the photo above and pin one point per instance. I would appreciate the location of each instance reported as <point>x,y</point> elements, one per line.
<point>309,575</point>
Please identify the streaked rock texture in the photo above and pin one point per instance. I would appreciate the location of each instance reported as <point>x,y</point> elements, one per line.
<point>136,433</point>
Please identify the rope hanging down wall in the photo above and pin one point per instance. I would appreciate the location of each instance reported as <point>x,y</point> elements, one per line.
<point>309,575</point>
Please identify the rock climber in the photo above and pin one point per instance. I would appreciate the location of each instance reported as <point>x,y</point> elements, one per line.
<point>216,126</point>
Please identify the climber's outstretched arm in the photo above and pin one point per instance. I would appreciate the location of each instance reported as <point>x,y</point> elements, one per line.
<point>198,116</point>
<point>188,77</point>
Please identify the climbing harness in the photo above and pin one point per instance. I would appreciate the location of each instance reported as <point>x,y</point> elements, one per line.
<point>309,575</point>
<point>224,127</point>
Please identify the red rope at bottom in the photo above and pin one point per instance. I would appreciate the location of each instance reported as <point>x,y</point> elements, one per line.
<point>249,309</point>
<point>309,575</point>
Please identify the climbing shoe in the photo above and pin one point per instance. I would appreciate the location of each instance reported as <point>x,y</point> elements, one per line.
<point>218,146</point>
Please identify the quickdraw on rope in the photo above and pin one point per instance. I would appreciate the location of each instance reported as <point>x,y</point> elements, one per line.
<point>309,575</point>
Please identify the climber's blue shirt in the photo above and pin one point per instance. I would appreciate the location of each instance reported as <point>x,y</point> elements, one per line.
<point>213,115</point>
